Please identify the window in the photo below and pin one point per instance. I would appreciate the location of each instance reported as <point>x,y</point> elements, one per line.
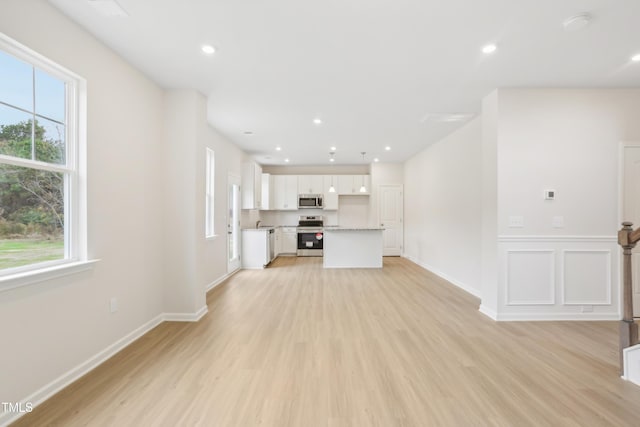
<point>209,203</point>
<point>40,183</point>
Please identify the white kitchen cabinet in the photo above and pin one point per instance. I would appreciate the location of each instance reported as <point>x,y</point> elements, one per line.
<point>285,192</point>
<point>251,186</point>
<point>278,245</point>
<point>310,184</point>
<point>330,199</point>
<point>350,185</point>
<point>255,248</point>
<point>267,192</point>
<point>289,240</point>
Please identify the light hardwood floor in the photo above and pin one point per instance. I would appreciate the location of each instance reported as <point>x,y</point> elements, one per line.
<point>296,345</point>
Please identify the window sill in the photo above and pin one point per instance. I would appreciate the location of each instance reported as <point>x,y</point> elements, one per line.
<point>35,276</point>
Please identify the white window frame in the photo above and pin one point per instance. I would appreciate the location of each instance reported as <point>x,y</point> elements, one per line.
<point>74,170</point>
<point>210,177</point>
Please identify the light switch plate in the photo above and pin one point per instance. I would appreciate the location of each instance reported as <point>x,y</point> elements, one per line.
<point>549,194</point>
<point>516,222</point>
<point>113,305</point>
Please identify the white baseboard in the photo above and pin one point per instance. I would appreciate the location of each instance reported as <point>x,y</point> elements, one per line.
<point>550,317</point>
<point>475,292</point>
<point>631,357</point>
<point>488,312</point>
<point>93,362</point>
<point>185,317</point>
<point>219,280</point>
<point>82,369</point>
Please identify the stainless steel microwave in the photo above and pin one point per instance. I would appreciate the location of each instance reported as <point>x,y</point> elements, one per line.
<point>310,201</point>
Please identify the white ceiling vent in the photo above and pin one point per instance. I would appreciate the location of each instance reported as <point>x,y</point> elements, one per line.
<point>446,117</point>
<point>577,22</point>
<point>109,8</point>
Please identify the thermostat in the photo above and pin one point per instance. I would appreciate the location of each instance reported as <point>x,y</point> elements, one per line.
<point>549,194</point>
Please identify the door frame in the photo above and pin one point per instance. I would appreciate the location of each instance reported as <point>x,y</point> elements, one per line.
<point>621,160</point>
<point>233,179</point>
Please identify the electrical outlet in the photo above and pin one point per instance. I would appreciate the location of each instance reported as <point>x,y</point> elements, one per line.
<point>557,222</point>
<point>113,305</point>
<point>516,222</point>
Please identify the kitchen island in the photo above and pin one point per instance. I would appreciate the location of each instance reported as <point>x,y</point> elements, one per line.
<point>352,247</point>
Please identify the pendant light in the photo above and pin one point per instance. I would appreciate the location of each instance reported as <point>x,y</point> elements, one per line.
<point>363,189</point>
<point>332,189</point>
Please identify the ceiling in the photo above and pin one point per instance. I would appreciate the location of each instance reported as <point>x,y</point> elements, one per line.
<point>372,70</point>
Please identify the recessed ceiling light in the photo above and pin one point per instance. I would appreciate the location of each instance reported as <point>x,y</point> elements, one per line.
<point>278,148</point>
<point>376,160</point>
<point>286,160</point>
<point>490,48</point>
<point>317,121</point>
<point>332,148</point>
<point>208,49</point>
<point>636,58</point>
<point>387,148</point>
<point>577,22</point>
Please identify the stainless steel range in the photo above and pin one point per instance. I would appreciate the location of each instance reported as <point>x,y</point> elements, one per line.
<point>310,235</point>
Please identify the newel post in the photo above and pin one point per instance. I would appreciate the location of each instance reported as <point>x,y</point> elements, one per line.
<point>628,328</point>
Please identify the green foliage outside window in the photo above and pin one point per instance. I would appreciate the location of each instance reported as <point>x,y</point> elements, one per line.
<point>31,200</point>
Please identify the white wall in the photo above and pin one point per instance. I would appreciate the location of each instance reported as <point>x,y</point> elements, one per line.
<point>489,234</point>
<point>146,167</point>
<point>53,326</point>
<point>212,253</point>
<point>567,140</point>
<point>443,207</point>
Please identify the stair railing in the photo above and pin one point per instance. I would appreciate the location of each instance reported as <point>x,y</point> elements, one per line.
<point>627,238</point>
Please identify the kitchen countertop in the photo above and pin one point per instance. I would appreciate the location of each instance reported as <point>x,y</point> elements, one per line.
<point>338,228</point>
<point>326,227</point>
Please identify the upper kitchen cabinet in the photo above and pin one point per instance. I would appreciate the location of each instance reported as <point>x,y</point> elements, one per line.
<point>251,186</point>
<point>310,184</point>
<point>351,184</point>
<point>267,192</point>
<point>330,199</point>
<point>285,192</point>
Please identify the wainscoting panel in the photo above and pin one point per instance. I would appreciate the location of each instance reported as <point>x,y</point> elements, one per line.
<point>586,278</point>
<point>558,278</point>
<point>530,277</point>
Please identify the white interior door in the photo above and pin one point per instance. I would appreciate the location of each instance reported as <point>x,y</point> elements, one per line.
<point>233,224</point>
<point>632,212</point>
<point>390,213</point>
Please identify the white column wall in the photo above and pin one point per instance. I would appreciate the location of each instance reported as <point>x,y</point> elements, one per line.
<point>182,294</point>
<point>489,234</point>
<point>567,140</point>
